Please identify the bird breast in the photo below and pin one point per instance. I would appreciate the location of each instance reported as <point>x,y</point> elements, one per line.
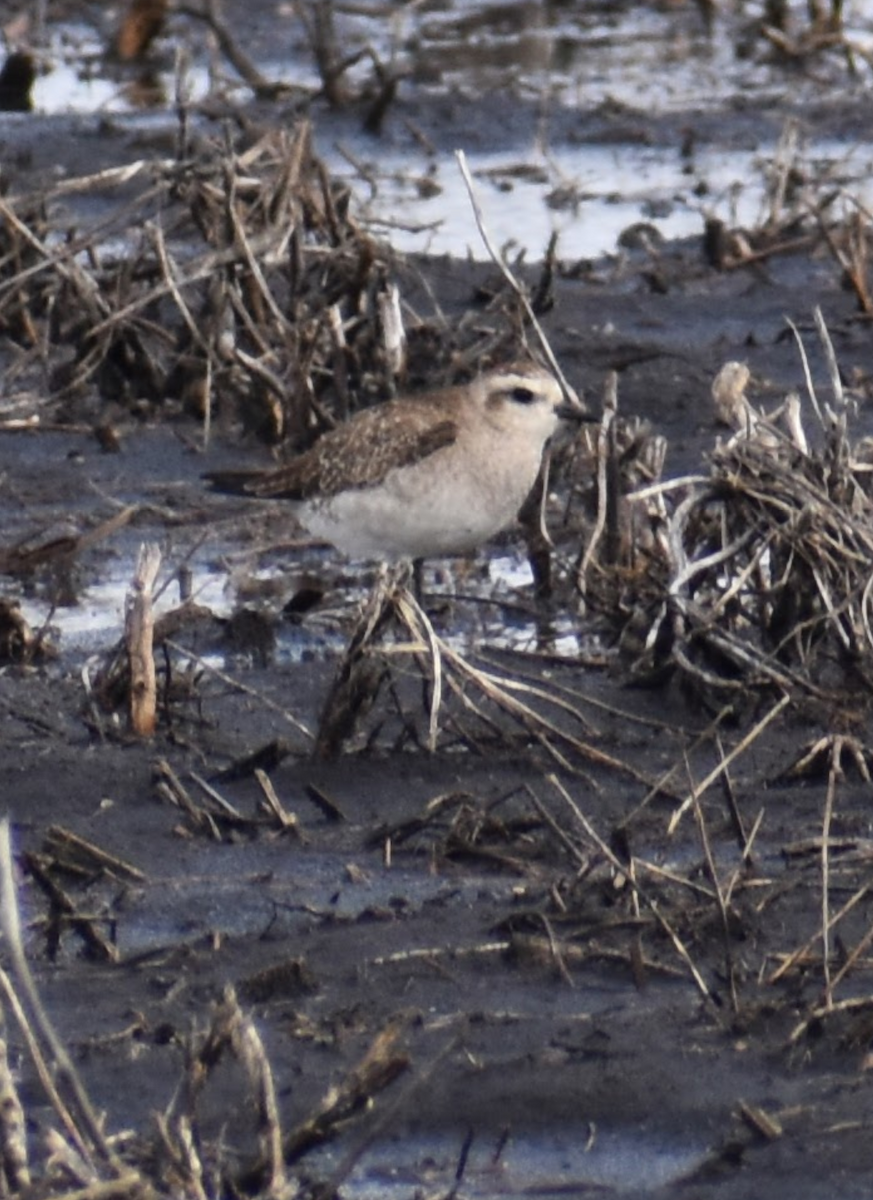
<point>448,503</point>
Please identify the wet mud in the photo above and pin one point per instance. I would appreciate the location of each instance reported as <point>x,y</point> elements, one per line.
<point>484,968</point>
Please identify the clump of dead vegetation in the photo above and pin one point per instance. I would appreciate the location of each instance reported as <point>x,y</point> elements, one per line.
<point>802,37</point>
<point>762,579</point>
<point>807,206</point>
<point>245,289</point>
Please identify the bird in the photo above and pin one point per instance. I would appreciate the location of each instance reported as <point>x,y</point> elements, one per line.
<point>428,475</point>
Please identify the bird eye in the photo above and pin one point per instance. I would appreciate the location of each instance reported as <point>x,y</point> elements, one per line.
<point>523,395</point>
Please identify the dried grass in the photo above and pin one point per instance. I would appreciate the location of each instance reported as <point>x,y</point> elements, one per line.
<point>245,290</point>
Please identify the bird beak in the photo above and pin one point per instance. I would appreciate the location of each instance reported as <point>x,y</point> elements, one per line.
<point>576,413</point>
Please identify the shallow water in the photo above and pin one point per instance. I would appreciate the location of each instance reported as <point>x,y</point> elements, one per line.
<point>484,614</point>
<point>578,1160</point>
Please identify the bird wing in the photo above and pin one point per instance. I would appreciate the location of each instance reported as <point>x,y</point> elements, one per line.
<point>357,454</point>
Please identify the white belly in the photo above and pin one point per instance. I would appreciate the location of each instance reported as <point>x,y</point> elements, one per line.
<point>421,511</point>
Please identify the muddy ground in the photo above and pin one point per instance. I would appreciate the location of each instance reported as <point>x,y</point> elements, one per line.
<point>537,1006</point>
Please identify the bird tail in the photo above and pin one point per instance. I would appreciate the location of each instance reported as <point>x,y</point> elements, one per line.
<point>236,483</point>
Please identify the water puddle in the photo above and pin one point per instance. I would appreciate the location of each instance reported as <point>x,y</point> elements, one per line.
<point>265,890</point>
<point>96,622</point>
<point>589,196</point>
<point>573,1161</point>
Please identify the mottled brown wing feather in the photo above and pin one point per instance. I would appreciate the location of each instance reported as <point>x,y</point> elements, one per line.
<point>359,454</point>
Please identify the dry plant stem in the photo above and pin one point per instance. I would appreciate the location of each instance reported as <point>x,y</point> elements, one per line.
<point>70,250</point>
<point>697,889</point>
<point>88,1134</point>
<point>761,1122</point>
<point>169,786</point>
<point>816,518</point>
<point>210,13</point>
<point>402,1103</point>
<point>510,278</point>
<point>127,1186</point>
<point>731,800</point>
<point>680,483</point>
<point>436,666</point>
<point>651,904</point>
<point>242,687</point>
<point>830,359</point>
<point>807,374</point>
<point>833,771</point>
<point>717,771</point>
<point>461,1168</point>
<point>358,677</point>
<point>168,270</point>
<point>498,689</point>
<point>783,161</point>
<point>750,840</point>
<point>207,403</point>
<point>110,177</point>
<point>753,663</point>
<point>273,805</point>
<point>216,797</point>
<point>139,629</point>
<point>542,507</point>
<point>249,1049</point>
<point>462,694</point>
<point>719,895</point>
<point>582,860</point>
<point>59,839</point>
<point>855,1004</point>
<point>262,372</point>
<point>178,1147</point>
<point>70,270</point>
<point>799,955</point>
<point>204,1051</point>
<point>182,98</point>
<point>97,944</point>
<point>14,1168</point>
<point>43,1069</point>
<point>249,258</point>
<point>614,710</point>
<point>14,560</point>
<point>392,330</point>
<point>433,953</point>
<point>686,571</point>
<point>853,265</point>
<point>746,849</point>
<point>555,951</point>
<point>659,788</point>
<point>851,961</point>
<point>742,578</point>
<point>381,1064</point>
<point>610,410</point>
<point>204,269</point>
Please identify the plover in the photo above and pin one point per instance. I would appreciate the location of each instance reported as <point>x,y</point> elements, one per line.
<point>429,475</point>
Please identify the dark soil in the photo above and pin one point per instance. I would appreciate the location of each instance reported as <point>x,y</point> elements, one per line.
<point>534,1000</point>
